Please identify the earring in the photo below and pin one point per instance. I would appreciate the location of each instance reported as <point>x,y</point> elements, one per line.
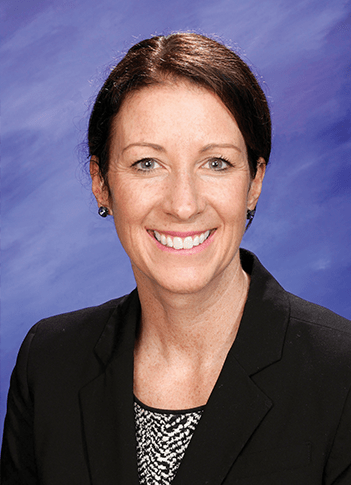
<point>103,211</point>
<point>250,214</point>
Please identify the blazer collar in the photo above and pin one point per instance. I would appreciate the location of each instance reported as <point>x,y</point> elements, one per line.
<point>263,326</point>
<point>235,408</point>
<point>118,336</point>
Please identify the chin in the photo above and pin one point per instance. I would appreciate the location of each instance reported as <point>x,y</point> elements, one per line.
<point>184,289</point>
<point>185,283</point>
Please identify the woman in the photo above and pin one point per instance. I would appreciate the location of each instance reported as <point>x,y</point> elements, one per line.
<point>209,372</point>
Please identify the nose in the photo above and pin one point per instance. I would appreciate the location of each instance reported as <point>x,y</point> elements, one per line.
<point>184,198</point>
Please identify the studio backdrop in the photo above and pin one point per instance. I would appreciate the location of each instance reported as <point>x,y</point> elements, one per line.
<point>58,254</point>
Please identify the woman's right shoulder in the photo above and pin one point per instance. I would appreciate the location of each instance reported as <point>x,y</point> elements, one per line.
<point>76,321</point>
<point>73,333</point>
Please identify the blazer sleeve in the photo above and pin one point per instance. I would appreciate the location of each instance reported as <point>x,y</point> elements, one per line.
<point>18,454</point>
<point>338,468</point>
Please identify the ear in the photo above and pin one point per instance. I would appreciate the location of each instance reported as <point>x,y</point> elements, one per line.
<point>99,188</point>
<point>256,184</point>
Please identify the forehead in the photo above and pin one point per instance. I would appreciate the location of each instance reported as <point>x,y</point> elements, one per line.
<point>178,111</point>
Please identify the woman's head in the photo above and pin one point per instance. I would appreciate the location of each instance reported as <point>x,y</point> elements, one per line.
<point>179,138</point>
<point>179,186</point>
<point>194,58</point>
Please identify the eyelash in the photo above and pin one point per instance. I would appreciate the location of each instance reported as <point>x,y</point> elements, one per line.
<point>143,160</point>
<point>221,159</point>
<point>136,165</point>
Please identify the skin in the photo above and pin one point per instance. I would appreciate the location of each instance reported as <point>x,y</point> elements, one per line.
<point>178,163</point>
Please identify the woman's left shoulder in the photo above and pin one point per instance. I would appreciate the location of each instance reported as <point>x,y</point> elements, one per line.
<point>314,314</point>
<point>322,331</point>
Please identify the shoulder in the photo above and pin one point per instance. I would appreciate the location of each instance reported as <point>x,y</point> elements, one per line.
<point>69,337</point>
<point>321,337</point>
<point>312,314</point>
<point>319,322</point>
<point>81,322</point>
<point>306,335</point>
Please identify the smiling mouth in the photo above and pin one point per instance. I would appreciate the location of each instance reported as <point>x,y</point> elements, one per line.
<point>182,243</point>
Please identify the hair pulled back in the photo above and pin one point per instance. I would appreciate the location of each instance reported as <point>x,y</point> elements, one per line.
<point>195,58</point>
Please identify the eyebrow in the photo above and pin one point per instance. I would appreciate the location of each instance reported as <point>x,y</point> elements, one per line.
<point>219,145</point>
<point>141,144</point>
<point>159,148</point>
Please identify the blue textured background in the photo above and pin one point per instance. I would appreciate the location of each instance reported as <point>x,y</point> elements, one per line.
<point>58,255</point>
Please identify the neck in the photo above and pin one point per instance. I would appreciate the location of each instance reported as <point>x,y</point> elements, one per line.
<point>199,327</point>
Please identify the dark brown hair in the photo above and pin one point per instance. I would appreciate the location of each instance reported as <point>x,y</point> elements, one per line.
<point>195,58</point>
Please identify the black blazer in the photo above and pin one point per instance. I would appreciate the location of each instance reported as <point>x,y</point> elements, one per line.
<point>279,414</point>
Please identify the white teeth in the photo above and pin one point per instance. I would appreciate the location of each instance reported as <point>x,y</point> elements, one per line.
<point>196,241</point>
<point>188,242</point>
<point>204,236</point>
<point>179,243</point>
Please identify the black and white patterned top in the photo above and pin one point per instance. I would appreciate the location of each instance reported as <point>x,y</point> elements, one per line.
<point>162,438</point>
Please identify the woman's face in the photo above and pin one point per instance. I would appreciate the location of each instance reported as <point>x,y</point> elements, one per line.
<point>180,186</point>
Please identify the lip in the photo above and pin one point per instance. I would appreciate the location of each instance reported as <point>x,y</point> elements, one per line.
<point>177,233</point>
<point>183,252</point>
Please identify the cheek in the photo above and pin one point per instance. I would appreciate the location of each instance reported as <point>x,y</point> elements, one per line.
<point>132,203</point>
<point>231,201</point>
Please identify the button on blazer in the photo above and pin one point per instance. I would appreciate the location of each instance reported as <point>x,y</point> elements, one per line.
<point>279,414</point>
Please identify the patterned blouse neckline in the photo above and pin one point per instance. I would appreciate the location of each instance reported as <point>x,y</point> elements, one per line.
<point>169,411</point>
<point>162,437</point>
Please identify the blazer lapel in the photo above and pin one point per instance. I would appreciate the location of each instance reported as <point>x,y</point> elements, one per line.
<point>237,406</point>
<point>107,402</point>
<point>232,414</point>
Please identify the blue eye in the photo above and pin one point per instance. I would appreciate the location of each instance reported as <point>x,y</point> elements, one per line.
<point>146,164</point>
<point>218,164</point>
